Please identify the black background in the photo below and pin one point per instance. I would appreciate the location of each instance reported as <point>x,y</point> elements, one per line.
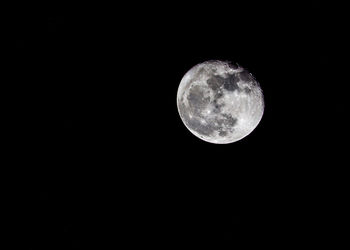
<point>108,162</point>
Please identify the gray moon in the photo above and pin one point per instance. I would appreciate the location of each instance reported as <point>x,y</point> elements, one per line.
<point>220,102</point>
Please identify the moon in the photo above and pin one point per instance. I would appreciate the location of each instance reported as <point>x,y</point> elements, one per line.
<point>220,102</point>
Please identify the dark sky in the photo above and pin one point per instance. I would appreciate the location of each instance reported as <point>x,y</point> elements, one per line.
<point>111,162</point>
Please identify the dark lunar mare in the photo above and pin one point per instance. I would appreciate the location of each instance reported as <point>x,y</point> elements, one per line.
<point>229,83</point>
<point>233,65</point>
<point>215,82</point>
<point>196,100</point>
<point>246,76</point>
<point>196,103</point>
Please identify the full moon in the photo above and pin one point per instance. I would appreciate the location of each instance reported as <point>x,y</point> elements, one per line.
<point>220,102</point>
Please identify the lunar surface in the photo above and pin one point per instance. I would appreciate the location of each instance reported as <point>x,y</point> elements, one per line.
<point>220,102</point>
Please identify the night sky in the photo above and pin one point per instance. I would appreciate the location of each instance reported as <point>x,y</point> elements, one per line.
<point>108,162</point>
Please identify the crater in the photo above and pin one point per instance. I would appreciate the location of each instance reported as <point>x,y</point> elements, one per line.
<point>218,95</point>
<point>222,133</point>
<point>247,90</point>
<point>228,120</point>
